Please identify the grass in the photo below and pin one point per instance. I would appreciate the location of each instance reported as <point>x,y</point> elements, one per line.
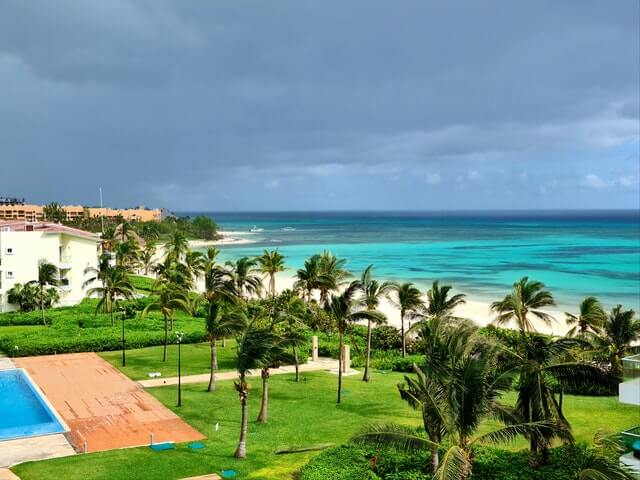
<point>301,414</point>
<point>142,284</point>
<point>196,358</point>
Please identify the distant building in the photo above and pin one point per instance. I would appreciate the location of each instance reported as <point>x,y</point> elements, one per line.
<point>35,213</point>
<point>23,244</point>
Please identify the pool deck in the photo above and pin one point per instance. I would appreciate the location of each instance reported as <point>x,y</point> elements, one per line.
<point>101,406</point>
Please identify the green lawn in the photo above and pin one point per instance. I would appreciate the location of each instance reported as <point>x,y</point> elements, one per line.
<point>301,414</point>
<point>196,359</point>
<point>141,283</point>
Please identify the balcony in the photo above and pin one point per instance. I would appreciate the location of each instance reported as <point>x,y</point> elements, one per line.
<point>64,285</point>
<point>629,389</point>
<point>65,262</point>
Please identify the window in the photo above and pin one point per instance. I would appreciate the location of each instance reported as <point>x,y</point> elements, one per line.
<point>9,274</point>
<point>9,250</point>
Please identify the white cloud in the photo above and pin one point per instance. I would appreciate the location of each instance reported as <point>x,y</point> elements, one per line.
<point>434,178</point>
<point>629,181</point>
<point>272,184</point>
<point>473,175</point>
<point>595,182</point>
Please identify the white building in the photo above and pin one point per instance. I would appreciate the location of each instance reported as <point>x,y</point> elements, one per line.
<point>22,246</point>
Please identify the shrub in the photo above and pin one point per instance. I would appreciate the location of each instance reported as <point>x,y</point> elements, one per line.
<point>346,462</point>
<point>390,361</point>
<point>385,337</point>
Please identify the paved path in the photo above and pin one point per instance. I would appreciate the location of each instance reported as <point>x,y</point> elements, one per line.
<point>101,405</point>
<point>321,364</point>
<point>43,447</point>
<point>6,364</point>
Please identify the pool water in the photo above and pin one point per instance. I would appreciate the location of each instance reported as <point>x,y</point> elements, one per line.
<point>23,412</point>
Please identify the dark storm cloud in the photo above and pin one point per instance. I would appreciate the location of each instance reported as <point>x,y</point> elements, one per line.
<point>227,105</point>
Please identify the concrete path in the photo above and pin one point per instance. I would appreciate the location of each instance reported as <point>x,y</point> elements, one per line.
<point>321,364</point>
<point>43,447</point>
<point>6,474</point>
<point>6,364</point>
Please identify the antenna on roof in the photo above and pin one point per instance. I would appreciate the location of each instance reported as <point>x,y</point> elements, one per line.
<point>101,212</point>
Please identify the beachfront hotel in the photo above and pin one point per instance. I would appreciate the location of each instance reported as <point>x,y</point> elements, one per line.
<point>23,244</point>
<point>16,209</point>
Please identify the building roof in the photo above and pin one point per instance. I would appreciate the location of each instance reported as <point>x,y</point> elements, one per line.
<point>46,227</point>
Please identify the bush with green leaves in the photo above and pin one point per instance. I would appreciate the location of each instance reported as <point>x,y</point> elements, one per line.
<point>386,337</point>
<point>346,462</point>
<point>389,361</point>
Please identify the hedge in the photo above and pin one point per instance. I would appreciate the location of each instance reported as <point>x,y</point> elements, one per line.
<point>346,462</point>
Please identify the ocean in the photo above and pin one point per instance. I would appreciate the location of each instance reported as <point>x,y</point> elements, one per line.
<point>575,253</point>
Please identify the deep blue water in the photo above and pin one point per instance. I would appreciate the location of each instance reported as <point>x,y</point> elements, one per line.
<point>480,253</point>
<point>23,413</point>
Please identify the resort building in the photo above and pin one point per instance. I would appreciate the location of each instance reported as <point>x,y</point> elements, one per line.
<point>35,213</point>
<point>23,244</point>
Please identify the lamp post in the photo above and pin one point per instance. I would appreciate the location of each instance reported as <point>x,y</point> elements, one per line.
<point>179,336</point>
<point>122,317</point>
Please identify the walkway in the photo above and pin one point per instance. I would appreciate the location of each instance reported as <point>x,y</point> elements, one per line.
<point>101,406</point>
<point>320,364</point>
<point>43,447</point>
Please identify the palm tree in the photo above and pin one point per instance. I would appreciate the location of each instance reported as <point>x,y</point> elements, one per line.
<point>271,262</point>
<point>25,296</point>
<point>332,273</point>
<point>147,256</point>
<point>128,254</point>
<point>409,301</point>
<point>177,246</point>
<point>222,321</point>
<point>254,347</point>
<point>590,319</point>
<point>171,297</point>
<point>274,357</point>
<point>98,274</point>
<point>439,303</point>
<point>47,277</point>
<point>527,297</point>
<point>309,278</point>
<point>466,391</point>
<point>245,277</point>
<point>195,263</point>
<point>372,291</point>
<point>620,330</point>
<point>210,260</point>
<point>115,285</point>
<point>343,310</point>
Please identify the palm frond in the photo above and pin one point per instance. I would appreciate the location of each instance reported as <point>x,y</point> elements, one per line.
<point>392,435</point>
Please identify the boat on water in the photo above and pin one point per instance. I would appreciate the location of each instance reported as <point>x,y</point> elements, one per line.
<point>256,229</point>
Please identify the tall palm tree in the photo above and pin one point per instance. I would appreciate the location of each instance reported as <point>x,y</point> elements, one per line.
<point>275,356</point>
<point>333,274</point>
<point>372,292</point>
<point>409,301</point>
<point>211,257</point>
<point>345,310</point>
<point>128,254</point>
<point>309,278</point>
<point>590,319</point>
<point>620,330</point>
<point>47,277</point>
<point>439,302</point>
<point>527,297</point>
<point>466,391</point>
<point>147,256</point>
<point>177,246</point>
<point>222,321</point>
<point>245,275</point>
<point>254,347</point>
<point>195,263</point>
<point>271,262</point>
<point>171,297</point>
<point>115,285</point>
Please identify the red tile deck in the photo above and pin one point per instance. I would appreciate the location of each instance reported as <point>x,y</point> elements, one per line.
<point>101,405</point>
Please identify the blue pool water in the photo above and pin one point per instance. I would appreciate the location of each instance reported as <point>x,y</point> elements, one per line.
<point>575,253</point>
<point>22,412</point>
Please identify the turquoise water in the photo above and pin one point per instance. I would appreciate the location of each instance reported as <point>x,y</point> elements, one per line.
<point>24,413</point>
<point>480,253</point>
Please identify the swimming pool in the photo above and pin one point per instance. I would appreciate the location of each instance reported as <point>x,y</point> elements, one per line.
<point>23,411</point>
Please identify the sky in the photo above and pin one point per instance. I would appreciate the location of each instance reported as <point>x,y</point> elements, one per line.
<point>332,105</point>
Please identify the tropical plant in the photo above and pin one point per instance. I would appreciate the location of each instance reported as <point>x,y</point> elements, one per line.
<point>620,330</point>
<point>177,246</point>
<point>333,274</point>
<point>254,347</point>
<point>372,292</point>
<point>271,262</point>
<point>223,320</point>
<point>195,263</point>
<point>147,256</point>
<point>409,301</point>
<point>527,297</point>
<point>466,390</point>
<point>115,286</point>
<point>309,278</point>
<point>47,277</point>
<point>170,297</point>
<point>24,296</point>
<point>128,254</point>
<point>245,276</point>
<point>590,319</point>
<point>344,310</point>
<point>54,213</point>
<point>439,303</point>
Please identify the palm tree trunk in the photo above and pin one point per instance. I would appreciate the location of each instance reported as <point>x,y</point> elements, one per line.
<point>166,338</point>
<point>241,450</point>
<point>367,376</point>
<point>435,459</point>
<point>214,365</point>
<point>341,336</point>
<point>297,363</point>
<point>272,284</point>
<point>44,320</point>
<point>404,348</point>
<point>263,416</point>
